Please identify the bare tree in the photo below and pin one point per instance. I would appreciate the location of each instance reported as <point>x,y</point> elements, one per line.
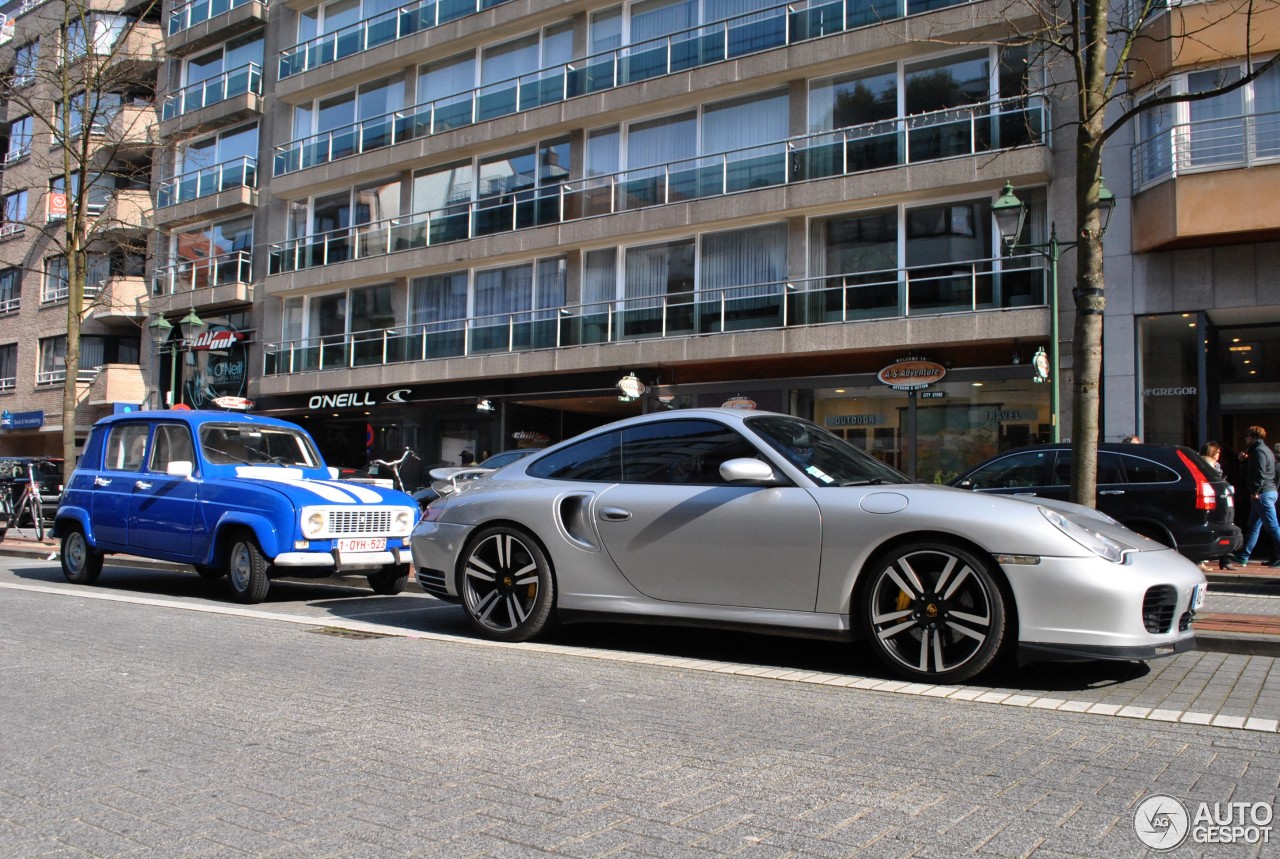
<point>86,95</point>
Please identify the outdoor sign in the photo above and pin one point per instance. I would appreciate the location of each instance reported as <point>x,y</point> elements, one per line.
<point>852,420</point>
<point>233,403</point>
<point>125,408</point>
<point>631,386</point>
<point>1040,366</point>
<point>739,403</point>
<point>215,339</point>
<point>531,436</point>
<point>21,420</point>
<point>57,204</point>
<point>220,368</point>
<point>911,374</point>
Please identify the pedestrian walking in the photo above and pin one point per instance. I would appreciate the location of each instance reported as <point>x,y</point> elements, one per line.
<point>1260,483</point>
<point>1212,453</point>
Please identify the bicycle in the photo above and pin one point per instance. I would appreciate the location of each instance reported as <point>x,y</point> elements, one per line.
<point>394,465</point>
<point>29,502</point>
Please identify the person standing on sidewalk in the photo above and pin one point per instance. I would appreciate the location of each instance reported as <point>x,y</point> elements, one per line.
<point>1260,483</point>
<point>1212,453</point>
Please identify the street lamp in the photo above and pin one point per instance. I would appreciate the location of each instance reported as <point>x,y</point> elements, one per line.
<point>160,331</point>
<point>1010,215</point>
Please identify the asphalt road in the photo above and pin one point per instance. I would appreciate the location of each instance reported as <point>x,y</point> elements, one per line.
<point>147,716</point>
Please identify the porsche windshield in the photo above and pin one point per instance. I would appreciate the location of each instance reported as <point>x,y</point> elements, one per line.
<point>825,458</point>
<point>243,444</point>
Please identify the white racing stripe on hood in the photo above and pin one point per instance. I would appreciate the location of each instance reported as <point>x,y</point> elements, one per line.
<point>324,488</point>
<point>364,493</point>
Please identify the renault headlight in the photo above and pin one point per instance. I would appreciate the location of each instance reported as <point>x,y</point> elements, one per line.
<point>404,521</point>
<point>1102,546</point>
<point>313,523</point>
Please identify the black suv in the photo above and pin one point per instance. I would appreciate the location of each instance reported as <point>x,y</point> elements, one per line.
<point>1167,493</point>
<point>13,474</point>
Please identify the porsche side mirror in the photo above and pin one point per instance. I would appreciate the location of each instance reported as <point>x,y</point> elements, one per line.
<point>747,471</point>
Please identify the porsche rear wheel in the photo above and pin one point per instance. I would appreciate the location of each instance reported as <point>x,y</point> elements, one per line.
<point>935,612</point>
<point>506,584</point>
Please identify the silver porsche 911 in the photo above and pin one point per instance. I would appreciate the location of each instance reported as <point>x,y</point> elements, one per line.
<point>765,522</point>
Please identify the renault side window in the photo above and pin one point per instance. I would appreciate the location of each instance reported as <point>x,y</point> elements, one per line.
<point>125,447</point>
<point>172,444</point>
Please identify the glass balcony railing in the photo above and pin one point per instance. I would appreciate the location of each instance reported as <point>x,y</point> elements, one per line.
<point>184,16</point>
<point>188,275</point>
<point>237,173</point>
<point>1212,144</point>
<point>969,130</point>
<point>246,79</point>
<point>776,27</point>
<point>963,286</point>
<point>415,17</point>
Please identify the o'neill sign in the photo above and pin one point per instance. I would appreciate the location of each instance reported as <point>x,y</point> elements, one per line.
<point>911,374</point>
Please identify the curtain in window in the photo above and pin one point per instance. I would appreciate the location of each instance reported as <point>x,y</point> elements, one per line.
<point>1155,141</point>
<point>600,277</point>
<point>503,291</point>
<point>658,18</point>
<point>606,30</point>
<point>1217,124</point>
<point>92,352</point>
<point>754,258</point>
<point>10,284</point>
<point>291,324</point>
<point>662,141</point>
<point>8,362</point>
<point>438,298</point>
<point>98,271</point>
<point>53,354</point>
<point>745,122</point>
<point>549,297</point>
<point>1266,113</point>
<point>656,271</point>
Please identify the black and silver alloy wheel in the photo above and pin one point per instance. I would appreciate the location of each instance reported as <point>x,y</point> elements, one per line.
<point>934,612</point>
<point>506,585</point>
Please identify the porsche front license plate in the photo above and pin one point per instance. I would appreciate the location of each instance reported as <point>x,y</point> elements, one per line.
<point>362,544</point>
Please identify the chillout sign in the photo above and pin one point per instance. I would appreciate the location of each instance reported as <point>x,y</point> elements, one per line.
<point>911,374</point>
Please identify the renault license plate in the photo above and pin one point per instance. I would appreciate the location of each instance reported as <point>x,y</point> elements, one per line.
<point>362,544</point>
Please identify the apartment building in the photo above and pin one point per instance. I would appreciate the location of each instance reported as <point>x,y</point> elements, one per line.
<point>108,54</point>
<point>1192,331</point>
<point>469,225</point>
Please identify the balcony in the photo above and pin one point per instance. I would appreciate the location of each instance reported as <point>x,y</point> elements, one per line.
<point>11,305</point>
<point>213,103</point>
<point>132,129</point>
<point>200,23</point>
<point>120,298</point>
<point>1207,183</point>
<point>412,18</point>
<point>961,287</point>
<point>114,383</point>
<point>777,27</point>
<point>221,281</point>
<point>956,132</point>
<point>216,190</point>
<point>86,376</point>
<point>140,53</point>
<point>127,212</point>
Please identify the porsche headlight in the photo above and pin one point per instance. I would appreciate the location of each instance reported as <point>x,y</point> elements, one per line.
<point>313,523</point>
<point>404,521</point>
<point>1102,546</point>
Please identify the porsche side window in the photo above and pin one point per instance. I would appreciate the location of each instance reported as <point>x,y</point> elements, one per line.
<point>596,458</point>
<point>680,452</point>
<point>1013,471</point>
<point>126,446</point>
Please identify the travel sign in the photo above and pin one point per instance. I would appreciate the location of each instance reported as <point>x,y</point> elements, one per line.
<point>912,374</point>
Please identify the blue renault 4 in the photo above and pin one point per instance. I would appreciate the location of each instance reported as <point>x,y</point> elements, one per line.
<point>244,496</point>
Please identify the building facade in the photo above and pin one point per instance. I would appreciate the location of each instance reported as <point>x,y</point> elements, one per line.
<point>78,101</point>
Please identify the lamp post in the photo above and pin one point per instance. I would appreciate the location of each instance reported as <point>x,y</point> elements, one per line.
<point>1010,215</point>
<point>191,326</point>
<point>160,330</point>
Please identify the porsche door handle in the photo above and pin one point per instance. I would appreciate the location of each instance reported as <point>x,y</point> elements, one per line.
<point>614,514</point>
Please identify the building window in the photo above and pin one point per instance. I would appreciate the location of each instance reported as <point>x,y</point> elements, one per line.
<point>95,33</point>
<point>8,367</point>
<point>56,280</point>
<point>25,62</point>
<point>15,213</point>
<point>97,196</point>
<point>95,352</point>
<point>20,131</point>
<point>337,112</point>
<point>10,289</point>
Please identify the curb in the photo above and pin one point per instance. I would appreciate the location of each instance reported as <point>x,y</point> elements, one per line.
<point>1240,643</point>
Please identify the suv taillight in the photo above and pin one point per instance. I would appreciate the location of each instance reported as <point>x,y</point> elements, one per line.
<point>1206,496</point>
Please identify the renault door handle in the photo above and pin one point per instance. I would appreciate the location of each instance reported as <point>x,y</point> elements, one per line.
<point>1111,492</point>
<point>142,484</point>
<point>614,514</point>
<point>101,481</point>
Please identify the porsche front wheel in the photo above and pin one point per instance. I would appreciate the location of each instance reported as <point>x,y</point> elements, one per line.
<point>505,582</point>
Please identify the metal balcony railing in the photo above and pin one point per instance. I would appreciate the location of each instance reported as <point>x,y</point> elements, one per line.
<point>188,275</point>
<point>245,79</point>
<point>9,383</point>
<point>49,377</point>
<point>968,130</point>
<point>10,305</point>
<point>1212,144</point>
<point>411,18</point>
<point>186,15</point>
<point>775,27</point>
<point>238,173</point>
<point>964,286</point>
